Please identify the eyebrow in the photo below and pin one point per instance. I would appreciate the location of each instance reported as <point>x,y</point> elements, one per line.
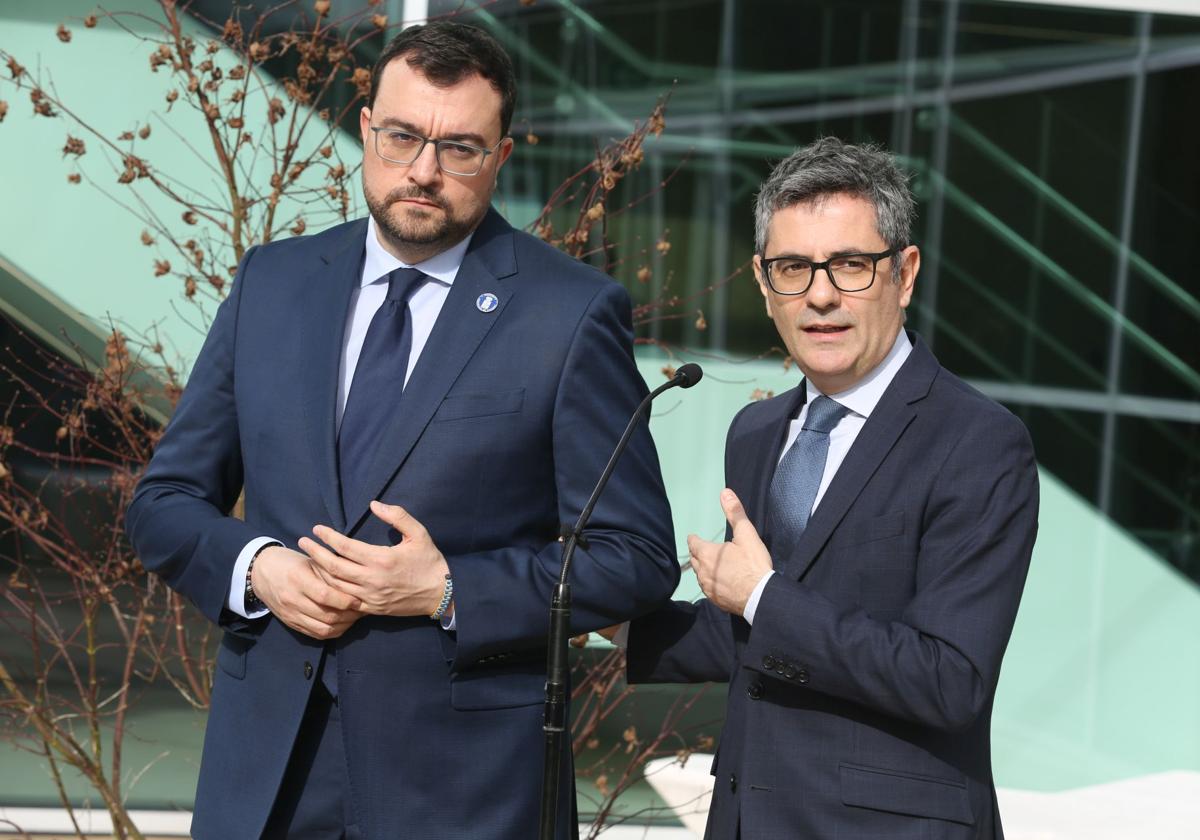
<point>833,255</point>
<point>460,137</point>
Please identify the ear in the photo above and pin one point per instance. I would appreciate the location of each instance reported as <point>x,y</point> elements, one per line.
<point>364,126</point>
<point>910,264</point>
<point>506,148</point>
<point>763,288</point>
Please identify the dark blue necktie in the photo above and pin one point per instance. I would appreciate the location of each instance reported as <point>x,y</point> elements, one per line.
<point>378,382</point>
<point>371,404</point>
<point>798,477</point>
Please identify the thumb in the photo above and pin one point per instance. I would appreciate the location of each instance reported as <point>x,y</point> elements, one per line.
<point>398,518</point>
<point>739,522</point>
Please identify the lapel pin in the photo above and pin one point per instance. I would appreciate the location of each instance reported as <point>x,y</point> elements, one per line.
<point>486,302</point>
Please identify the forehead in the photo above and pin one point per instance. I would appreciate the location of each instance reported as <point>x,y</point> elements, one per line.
<point>405,93</point>
<point>828,223</point>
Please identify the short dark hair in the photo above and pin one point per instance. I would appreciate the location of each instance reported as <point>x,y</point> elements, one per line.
<point>829,166</point>
<point>446,52</point>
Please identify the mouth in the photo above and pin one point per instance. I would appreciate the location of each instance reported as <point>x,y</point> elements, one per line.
<point>418,202</point>
<point>819,330</point>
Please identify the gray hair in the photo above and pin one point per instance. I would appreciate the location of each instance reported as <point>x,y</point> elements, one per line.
<point>828,167</point>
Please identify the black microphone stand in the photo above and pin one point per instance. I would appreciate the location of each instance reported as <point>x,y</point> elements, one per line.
<point>560,616</point>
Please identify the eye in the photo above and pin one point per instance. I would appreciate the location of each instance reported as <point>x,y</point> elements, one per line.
<point>402,138</point>
<point>791,268</point>
<point>458,151</point>
<point>851,263</point>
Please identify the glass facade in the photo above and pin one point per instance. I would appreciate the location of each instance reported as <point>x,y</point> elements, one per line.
<point>1053,153</point>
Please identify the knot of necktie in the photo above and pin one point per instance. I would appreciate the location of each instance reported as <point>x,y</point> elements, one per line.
<point>823,415</point>
<point>403,282</point>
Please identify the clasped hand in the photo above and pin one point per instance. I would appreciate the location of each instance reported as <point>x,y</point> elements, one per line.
<point>336,581</point>
<point>403,579</point>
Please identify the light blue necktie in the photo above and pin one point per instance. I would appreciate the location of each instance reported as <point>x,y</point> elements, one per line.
<point>798,477</point>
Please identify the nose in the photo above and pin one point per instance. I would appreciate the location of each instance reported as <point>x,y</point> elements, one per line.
<point>822,294</point>
<point>425,170</point>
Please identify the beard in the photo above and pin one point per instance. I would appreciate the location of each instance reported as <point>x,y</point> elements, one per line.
<point>426,231</point>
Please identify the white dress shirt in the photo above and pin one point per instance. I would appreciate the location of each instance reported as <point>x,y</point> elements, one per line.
<point>424,306</point>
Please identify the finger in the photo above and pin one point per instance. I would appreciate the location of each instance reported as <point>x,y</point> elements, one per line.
<point>333,565</point>
<point>735,514</point>
<point>317,610</point>
<point>353,550</point>
<point>398,518</point>
<point>338,594</point>
<point>702,551</point>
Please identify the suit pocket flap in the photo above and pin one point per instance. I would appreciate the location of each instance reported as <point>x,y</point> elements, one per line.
<point>231,655</point>
<point>493,688</point>
<point>462,406</point>
<point>906,793</point>
<point>878,528</point>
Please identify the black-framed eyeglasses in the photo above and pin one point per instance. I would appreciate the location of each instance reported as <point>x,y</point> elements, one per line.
<point>847,272</point>
<point>399,146</point>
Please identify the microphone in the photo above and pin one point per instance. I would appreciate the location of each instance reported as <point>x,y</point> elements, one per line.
<point>687,375</point>
<point>560,613</point>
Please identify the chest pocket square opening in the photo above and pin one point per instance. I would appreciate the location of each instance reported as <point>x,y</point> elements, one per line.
<point>463,406</point>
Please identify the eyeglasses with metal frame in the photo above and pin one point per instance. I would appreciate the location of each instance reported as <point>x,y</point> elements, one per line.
<point>396,145</point>
<point>847,272</point>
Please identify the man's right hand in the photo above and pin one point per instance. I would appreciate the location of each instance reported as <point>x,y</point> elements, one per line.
<point>297,595</point>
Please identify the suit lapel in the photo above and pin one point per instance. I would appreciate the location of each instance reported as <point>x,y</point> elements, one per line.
<point>766,457</point>
<point>893,414</point>
<point>327,300</point>
<point>457,333</point>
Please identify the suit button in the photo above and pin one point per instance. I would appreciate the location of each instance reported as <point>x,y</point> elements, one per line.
<point>733,782</point>
<point>769,662</point>
<point>308,670</point>
<point>755,690</point>
<point>802,676</point>
<point>789,671</point>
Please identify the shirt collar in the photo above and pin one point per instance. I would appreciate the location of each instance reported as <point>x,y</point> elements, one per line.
<point>379,263</point>
<point>862,397</point>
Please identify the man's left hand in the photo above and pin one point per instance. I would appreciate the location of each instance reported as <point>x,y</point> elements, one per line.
<point>403,579</point>
<point>729,571</point>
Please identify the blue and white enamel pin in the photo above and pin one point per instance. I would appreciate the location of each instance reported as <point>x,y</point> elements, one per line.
<point>486,302</point>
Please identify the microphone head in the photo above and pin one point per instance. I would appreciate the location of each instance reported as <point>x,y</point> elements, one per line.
<point>689,374</point>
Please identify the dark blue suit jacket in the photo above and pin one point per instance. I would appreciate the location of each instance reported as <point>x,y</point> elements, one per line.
<point>505,425</point>
<point>860,700</point>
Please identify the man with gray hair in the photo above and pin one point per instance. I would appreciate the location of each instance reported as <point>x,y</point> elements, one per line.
<point>881,519</point>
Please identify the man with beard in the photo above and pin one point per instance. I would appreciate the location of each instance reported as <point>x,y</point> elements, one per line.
<point>413,404</point>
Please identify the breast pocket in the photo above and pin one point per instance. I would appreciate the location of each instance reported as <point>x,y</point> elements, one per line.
<point>875,529</point>
<point>465,406</point>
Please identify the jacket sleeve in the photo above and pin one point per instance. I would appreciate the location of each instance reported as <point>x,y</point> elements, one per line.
<point>938,664</point>
<point>628,566</point>
<point>681,643</point>
<point>178,521</point>
<point>687,642</point>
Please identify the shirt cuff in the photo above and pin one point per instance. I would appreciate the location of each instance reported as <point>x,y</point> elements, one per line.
<point>755,597</point>
<point>621,637</point>
<point>237,585</point>
<point>448,622</point>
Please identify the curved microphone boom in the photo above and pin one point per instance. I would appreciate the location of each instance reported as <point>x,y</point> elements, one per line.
<point>560,614</point>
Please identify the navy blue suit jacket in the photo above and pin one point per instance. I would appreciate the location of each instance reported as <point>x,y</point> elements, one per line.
<point>502,430</point>
<point>860,700</point>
